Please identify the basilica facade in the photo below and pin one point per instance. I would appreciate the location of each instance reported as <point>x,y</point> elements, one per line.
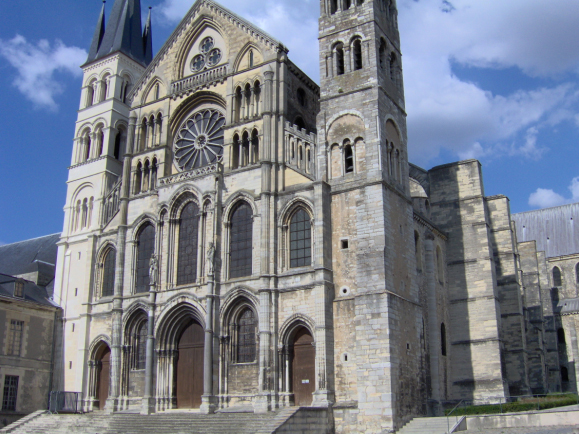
<point>237,236</point>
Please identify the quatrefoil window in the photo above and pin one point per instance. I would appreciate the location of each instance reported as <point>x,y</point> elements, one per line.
<point>199,141</point>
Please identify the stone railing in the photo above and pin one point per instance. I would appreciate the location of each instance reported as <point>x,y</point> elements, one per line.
<point>300,152</point>
<point>111,203</point>
<point>205,78</point>
<point>191,174</point>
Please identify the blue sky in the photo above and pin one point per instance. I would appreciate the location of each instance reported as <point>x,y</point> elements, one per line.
<point>492,80</point>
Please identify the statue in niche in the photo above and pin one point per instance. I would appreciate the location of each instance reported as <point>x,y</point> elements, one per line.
<point>153,270</point>
<point>211,258</point>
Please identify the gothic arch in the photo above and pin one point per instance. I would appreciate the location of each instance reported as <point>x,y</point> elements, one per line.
<point>389,117</point>
<point>243,52</point>
<point>171,321</point>
<point>96,345</point>
<point>291,324</point>
<point>156,80</point>
<point>141,221</point>
<point>241,195</point>
<point>233,296</point>
<point>107,71</point>
<point>331,121</point>
<point>130,311</point>
<point>288,209</point>
<point>91,79</point>
<point>197,28</point>
<point>183,193</point>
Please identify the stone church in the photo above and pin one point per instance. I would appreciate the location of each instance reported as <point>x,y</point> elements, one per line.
<point>237,236</point>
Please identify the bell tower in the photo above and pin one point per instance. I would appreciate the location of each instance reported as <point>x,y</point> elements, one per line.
<point>363,158</point>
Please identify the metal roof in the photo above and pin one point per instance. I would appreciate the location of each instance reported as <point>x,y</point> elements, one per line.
<point>567,306</point>
<point>554,229</point>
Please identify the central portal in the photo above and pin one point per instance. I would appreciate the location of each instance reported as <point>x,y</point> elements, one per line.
<point>190,366</point>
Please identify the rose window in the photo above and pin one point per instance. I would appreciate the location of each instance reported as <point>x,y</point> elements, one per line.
<point>199,140</point>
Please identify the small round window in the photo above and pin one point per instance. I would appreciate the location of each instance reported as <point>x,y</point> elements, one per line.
<point>214,57</point>
<point>198,63</point>
<point>206,45</point>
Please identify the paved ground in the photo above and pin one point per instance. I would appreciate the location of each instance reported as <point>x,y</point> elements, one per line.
<point>529,430</point>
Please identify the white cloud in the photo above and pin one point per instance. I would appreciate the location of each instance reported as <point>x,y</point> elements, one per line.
<point>38,66</point>
<point>446,112</point>
<point>545,198</point>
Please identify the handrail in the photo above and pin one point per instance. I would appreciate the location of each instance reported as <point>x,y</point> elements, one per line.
<point>449,414</point>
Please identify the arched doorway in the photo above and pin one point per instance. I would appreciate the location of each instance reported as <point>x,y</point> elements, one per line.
<point>103,376</point>
<point>189,372</point>
<point>303,363</point>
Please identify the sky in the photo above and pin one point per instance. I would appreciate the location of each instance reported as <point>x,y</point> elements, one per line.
<point>494,80</point>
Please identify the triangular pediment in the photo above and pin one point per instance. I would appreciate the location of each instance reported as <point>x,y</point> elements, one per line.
<point>204,15</point>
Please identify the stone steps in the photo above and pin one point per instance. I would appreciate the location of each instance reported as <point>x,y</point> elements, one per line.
<point>427,425</point>
<point>170,422</point>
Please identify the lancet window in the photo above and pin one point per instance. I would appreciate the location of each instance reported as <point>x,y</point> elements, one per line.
<point>300,242</point>
<point>108,273</point>
<point>145,249</point>
<point>246,345</point>
<point>188,244</point>
<point>357,52</point>
<point>557,277</point>
<point>241,236</point>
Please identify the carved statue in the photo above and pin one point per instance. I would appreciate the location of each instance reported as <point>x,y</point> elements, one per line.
<point>211,258</point>
<point>153,269</point>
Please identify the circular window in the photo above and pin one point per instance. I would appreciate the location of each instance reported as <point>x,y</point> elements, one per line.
<point>206,45</point>
<point>214,57</point>
<point>198,63</point>
<point>199,141</point>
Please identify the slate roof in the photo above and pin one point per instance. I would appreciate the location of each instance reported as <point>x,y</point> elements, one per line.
<point>32,292</point>
<point>555,229</point>
<point>37,254</point>
<point>568,306</point>
<point>123,33</point>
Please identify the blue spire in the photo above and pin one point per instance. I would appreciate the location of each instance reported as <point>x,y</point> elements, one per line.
<point>99,33</point>
<point>123,33</point>
<point>148,40</point>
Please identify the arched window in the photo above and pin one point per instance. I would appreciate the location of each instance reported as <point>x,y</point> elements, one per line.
<point>254,147</point>
<point>247,96</point>
<point>188,243</point>
<point>241,249</point>
<point>145,249</point>
<point>382,53</point>
<point>245,149</point>
<point>87,147</point>
<point>417,251</point>
<point>347,4</point>
<point>257,97</point>
<point>90,97</point>
<point>300,156</point>
<point>300,239</point>
<point>348,159</point>
<point>250,58</point>
<point>443,339</point>
<point>157,91</point>
<point>138,178</point>
<point>246,336</point>
<point>118,139</point>
<point>339,59</point>
<point>146,173</point>
<point>301,94</point>
<point>308,159</point>
<point>159,128</point>
<point>299,122</point>
<point>557,278</point>
<point>238,104</point>
<point>154,174</point>
<point>105,87</point>
<point>125,89</point>
<point>141,345</point>
<point>235,152</point>
<point>357,49</point>
<point>333,6</point>
<point>561,336</point>
<point>439,265</point>
<point>100,141</point>
<point>108,273</point>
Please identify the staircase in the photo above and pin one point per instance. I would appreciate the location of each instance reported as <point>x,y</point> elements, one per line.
<point>169,422</point>
<point>428,425</point>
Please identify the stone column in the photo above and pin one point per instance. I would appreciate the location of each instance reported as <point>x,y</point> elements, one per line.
<point>208,404</point>
<point>148,402</point>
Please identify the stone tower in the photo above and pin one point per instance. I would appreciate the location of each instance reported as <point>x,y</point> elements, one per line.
<point>118,56</point>
<point>362,138</point>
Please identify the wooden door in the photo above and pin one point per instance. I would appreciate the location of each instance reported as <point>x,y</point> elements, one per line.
<point>104,378</point>
<point>190,366</point>
<point>303,367</point>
